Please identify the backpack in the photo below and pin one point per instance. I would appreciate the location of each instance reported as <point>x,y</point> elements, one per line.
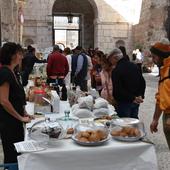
<point>163,93</point>
<point>167,77</point>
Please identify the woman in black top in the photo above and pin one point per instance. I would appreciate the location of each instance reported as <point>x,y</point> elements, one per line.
<point>12,101</point>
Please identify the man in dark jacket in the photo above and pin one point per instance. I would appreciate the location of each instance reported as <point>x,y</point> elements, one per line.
<point>28,63</point>
<point>79,68</point>
<point>128,85</point>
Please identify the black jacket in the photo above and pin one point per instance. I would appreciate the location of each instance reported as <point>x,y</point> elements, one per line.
<point>28,62</point>
<point>128,81</point>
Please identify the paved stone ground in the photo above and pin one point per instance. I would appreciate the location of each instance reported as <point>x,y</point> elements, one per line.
<point>146,113</point>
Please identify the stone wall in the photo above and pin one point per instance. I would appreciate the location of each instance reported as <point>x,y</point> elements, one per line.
<point>38,23</point>
<point>8,10</point>
<point>10,26</point>
<point>151,27</point>
<point>109,26</point>
<point>106,28</point>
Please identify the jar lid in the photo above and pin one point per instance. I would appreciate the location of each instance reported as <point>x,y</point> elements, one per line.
<point>39,91</point>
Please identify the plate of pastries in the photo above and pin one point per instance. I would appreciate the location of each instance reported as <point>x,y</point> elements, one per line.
<point>90,135</point>
<point>105,118</point>
<point>128,131</point>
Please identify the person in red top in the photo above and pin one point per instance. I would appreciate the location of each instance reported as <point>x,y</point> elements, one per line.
<point>57,66</point>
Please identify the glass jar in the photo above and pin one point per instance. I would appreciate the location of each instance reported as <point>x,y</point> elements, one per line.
<point>40,104</point>
<point>46,131</point>
<point>38,94</point>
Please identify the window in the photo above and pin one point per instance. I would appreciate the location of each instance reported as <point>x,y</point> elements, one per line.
<point>66,33</point>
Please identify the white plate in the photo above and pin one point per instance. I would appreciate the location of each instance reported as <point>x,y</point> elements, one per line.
<point>125,121</point>
<point>90,143</point>
<point>129,139</point>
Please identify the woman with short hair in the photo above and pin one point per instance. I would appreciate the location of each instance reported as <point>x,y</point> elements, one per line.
<point>12,101</point>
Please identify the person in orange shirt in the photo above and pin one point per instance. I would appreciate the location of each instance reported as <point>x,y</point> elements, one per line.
<point>160,52</point>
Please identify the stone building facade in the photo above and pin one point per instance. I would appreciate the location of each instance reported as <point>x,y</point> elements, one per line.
<point>101,26</point>
<point>9,20</point>
<point>154,23</point>
<point>8,11</point>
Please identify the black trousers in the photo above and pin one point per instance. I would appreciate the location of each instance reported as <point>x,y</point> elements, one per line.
<point>9,135</point>
<point>139,66</point>
<point>166,127</point>
<point>25,76</point>
<point>82,84</point>
<point>58,81</point>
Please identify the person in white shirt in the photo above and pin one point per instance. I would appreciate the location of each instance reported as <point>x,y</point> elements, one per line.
<point>89,68</point>
<point>139,59</point>
<point>67,53</point>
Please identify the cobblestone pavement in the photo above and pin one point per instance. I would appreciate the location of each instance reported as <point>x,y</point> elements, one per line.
<point>146,113</point>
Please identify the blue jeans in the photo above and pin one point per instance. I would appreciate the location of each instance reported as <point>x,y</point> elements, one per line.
<point>126,109</point>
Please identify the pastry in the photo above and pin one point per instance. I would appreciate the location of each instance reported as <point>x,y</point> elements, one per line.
<point>70,130</point>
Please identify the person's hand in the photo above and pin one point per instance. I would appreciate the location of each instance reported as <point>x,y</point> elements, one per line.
<point>98,78</point>
<point>154,126</point>
<point>94,73</point>
<point>30,116</point>
<point>138,100</point>
<point>26,119</point>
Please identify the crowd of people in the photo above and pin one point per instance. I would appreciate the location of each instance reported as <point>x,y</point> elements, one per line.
<point>117,79</point>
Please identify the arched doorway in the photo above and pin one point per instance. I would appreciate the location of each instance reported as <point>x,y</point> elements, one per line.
<point>119,43</point>
<point>28,42</point>
<point>81,30</point>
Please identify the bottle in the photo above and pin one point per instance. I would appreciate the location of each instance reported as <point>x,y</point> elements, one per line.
<point>64,93</point>
<point>78,91</point>
<point>57,89</point>
<point>55,101</point>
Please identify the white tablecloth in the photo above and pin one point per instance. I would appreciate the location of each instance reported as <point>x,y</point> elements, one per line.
<point>114,155</point>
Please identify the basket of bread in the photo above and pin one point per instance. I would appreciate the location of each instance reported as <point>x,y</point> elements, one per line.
<point>127,129</point>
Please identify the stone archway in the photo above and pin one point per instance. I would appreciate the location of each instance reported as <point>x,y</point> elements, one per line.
<point>87,10</point>
<point>120,43</point>
<point>28,42</point>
